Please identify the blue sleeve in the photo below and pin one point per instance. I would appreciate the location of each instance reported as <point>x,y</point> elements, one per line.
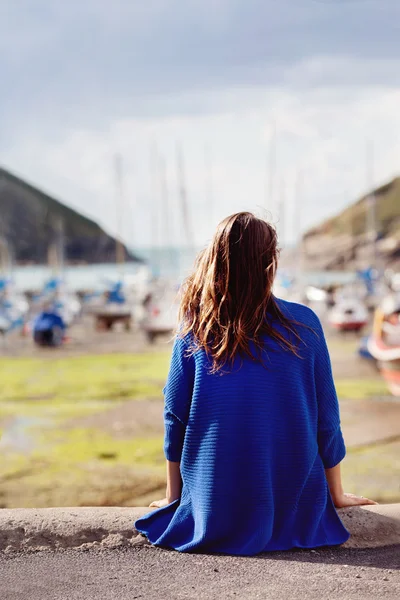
<point>177,399</point>
<point>330,439</point>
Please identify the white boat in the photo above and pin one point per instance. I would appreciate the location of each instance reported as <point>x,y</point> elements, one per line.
<point>160,312</point>
<point>349,314</point>
<point>13,308</point>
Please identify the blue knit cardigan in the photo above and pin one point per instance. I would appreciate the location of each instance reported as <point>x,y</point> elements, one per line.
<point>252,444</point>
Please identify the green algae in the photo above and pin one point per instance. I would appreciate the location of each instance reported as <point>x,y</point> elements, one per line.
<point>355,389</point>
<point>114,376</point>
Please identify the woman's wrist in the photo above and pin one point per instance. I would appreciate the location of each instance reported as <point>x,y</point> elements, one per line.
<point>337,498</point>
<point>174,481</point>
<point>172,495</point>
<point>334,480</point>
<point>336,493</point>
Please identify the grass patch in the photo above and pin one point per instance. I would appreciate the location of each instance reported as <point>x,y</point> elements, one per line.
<point>356,389</point>
<point>115,376</point>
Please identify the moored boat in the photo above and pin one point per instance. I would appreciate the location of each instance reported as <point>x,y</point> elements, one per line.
<point>384,343</point>
<point>13,308</point>
<point>349,314</point>
<point>53,311</point>
<point>115,308</point>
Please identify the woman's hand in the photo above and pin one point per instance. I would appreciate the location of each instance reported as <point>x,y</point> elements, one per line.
<point>345,500</point>
<point>159,503</point>
<point>340,499</point>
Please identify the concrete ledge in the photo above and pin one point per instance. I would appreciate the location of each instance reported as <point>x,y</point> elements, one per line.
<point>30,530</point>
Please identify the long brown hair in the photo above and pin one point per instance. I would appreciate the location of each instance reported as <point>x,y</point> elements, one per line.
<point>226,300</point>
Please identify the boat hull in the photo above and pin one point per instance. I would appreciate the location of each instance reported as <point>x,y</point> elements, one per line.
<point>349,326</point>
<point>348,314</point>
<point>391,374</point>
<point>388,358</point>
<point>383,353</point>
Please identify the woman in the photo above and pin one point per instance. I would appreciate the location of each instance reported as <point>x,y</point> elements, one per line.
<point>252,429</point>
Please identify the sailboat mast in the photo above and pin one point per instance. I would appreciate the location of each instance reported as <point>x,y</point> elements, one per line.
<point>281,214</point>
<point>119,204</point>
<point>60,245</point>
<point>5,258</point>
<point>183,197</point>
<point>164,196</point>
<point>371,224</point>
<point>271,172</point>
<point>55,251</point>
<point>5,255</point>
<point>297,225</point>
<point>209,183</point>
<point>154,178</point>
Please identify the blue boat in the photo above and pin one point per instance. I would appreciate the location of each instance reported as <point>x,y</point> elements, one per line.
<point>48,329</point>
<point>56,312</point>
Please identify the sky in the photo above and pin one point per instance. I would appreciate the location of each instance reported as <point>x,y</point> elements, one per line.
<point>268,104</point>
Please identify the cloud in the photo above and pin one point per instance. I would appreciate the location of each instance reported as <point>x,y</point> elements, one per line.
<point>321,134</point>
<point>75,61</point>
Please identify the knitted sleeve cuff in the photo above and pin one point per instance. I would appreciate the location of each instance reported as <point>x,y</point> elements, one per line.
<point>331,447</point>
<point>173,438</point>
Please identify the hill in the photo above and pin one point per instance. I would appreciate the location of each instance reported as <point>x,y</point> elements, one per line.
<point>345,241</point>
<point>30,220</point>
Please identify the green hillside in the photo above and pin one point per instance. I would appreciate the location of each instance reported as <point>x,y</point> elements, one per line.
<point>353,220</point>
<point>30,220</point>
